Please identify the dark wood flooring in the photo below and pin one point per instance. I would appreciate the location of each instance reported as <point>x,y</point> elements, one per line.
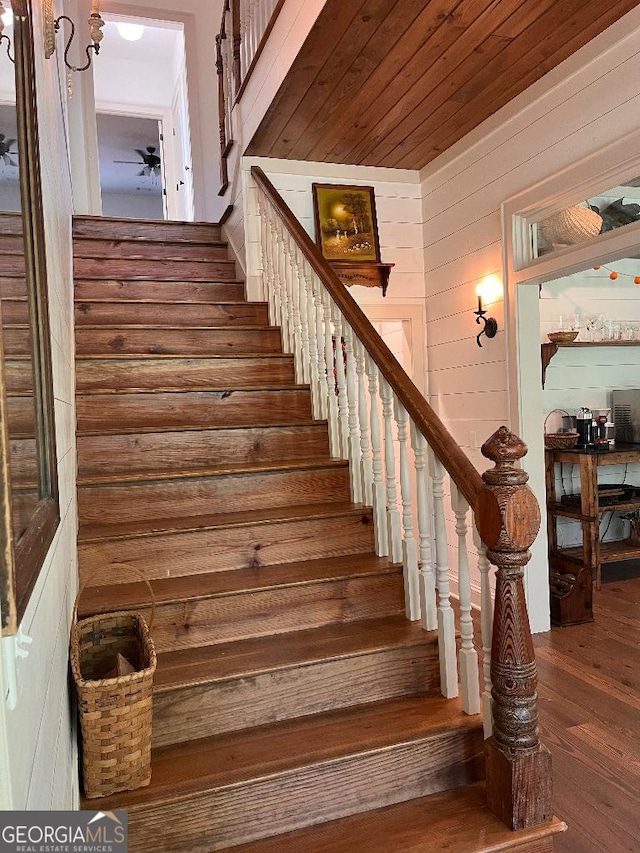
<point>589,688</point>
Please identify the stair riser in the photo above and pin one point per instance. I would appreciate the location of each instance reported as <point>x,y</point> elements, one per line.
<point>350,785</point>
<point>177,341</point>
<point>202,495</point>
<point>15,312</point>
<point>13,288</point>
<point>21,417</point>
<point>200,711</point>
<point>153,231</point>
<point>152,373</point>
<point>98,248</point>
<point>159,291</point>
<point>132,269</point>
<point>12,265</point>
<point>18,375</point>
<point>10,224</point>
<point>23,458</point>
<point>262,613</point>
<point>231,548</point>
<point>12,244</point>
<point>15,340</point>
<point>177,451</point>
<point>153,314</point>
<point>128,412</point>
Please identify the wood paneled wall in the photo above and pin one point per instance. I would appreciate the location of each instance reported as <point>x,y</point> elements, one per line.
<point>39,734</point>
<point>591,100</point>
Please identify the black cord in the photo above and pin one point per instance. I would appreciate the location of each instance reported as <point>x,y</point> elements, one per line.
<point>612,512</point>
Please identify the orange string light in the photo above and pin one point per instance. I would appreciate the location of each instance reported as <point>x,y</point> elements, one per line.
<point>613,274</point>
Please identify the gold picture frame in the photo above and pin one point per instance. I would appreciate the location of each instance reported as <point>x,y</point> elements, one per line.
<point>346,226</point>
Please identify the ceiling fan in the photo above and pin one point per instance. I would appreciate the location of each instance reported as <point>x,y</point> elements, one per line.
<point>149,159</point>
<point>6,154</point>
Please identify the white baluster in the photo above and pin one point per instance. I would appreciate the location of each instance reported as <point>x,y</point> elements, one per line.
<point>296,321</point>
<point>428,605</point>
<point>446,621</point>
<point>335,442</point>
<point>467,656</point>
<point>343,401</point>
<point>393,515</point>
<point>486,628</point>
<point>363,414</point>
<point>379,497</point>
<point>271,269</point>
<point>285,272</point>
<point>315,349</point>
<point>409,544</point>
<point>355,466</point>
<point>303,308</point>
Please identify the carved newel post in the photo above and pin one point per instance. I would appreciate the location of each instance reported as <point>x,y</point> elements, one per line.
<point>508,520</point>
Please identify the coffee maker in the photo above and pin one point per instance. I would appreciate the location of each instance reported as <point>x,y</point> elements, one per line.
<point>584,426</point>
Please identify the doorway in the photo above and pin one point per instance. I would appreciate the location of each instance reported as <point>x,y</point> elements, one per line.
<point>142,78</point>
<point>131,171</point>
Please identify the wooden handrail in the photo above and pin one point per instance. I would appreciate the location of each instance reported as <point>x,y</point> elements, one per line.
<point>463,473</point>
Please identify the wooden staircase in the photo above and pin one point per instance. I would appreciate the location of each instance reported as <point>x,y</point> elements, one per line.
<point>292,695</point>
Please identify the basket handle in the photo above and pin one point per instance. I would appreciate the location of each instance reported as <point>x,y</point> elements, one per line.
<point>102,571</point>
<point>564,412</point>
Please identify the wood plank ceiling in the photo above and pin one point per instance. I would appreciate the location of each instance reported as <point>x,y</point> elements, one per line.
<point>396,82</point>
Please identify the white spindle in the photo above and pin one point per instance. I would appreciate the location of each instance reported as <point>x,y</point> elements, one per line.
<point>393,515</point>
<point>467,656</point>
<point>379,488</point>
<point>335,442</point>
<point>303,313</point>
<point>341,381</point>
<point>486,627</point>
<point>296,320</point>
<point>409,544</point>
<point>315,347</point>
<point>446,621</point>
<point>285,272</point>
<point>270,255</point>
<point>428,605</point>
<point>355,466</point>
<point>366,455</point>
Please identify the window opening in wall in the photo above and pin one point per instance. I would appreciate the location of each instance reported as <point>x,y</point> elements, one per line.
<point>579,223</point>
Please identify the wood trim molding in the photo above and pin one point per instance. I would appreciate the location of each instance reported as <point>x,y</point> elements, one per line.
<point>454,460</point>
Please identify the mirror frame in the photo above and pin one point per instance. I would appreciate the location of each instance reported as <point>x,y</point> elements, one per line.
<point>21,561</point>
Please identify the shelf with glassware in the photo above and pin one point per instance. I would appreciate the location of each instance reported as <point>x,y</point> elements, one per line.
<point>572,571</point>
<point>548,351</point>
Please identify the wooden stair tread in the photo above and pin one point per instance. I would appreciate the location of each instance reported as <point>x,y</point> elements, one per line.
<point>204,389</point>
<point>183,770</point>
<point>164,327</point>
<point>130,596</point>
<point>119,356</point>
<point>248,658</point>
<point>125,530</point>
<point>454,821</point>
<point>228,469</point>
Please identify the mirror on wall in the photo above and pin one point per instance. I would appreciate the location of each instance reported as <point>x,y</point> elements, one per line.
<point>28,493</point>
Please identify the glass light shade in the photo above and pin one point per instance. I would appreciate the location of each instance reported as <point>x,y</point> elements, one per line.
<point>130,32</point>
<point>7,17</point>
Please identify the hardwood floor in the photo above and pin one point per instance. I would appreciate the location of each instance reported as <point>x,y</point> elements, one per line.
<point>589,688</point>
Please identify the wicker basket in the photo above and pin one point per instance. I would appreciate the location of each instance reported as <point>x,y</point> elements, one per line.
<point>115,712</point>
<point>570,226</point>
<point>559,440</point>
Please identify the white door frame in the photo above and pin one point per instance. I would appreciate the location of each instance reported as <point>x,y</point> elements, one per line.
<point>597,173</point>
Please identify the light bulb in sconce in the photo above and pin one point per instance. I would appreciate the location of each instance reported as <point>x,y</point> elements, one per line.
<point>489,290</point>
<point>130,32</point>
<point>7,17</point>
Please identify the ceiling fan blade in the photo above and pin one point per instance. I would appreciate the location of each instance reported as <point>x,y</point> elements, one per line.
<point>129,162</point>
<point>142,154</point>
<point>143,173</point>
<point>13,162</point>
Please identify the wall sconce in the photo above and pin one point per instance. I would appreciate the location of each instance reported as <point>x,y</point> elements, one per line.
<point>6,19</point>
<point>488,290</point>
<point>95,29</point>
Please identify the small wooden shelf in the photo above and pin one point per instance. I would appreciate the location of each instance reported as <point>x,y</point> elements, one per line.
<point>548,350</point>
<point>610,552</point>
<point>572,571</point>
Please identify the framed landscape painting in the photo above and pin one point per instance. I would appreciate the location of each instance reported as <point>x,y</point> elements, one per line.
<point>345,220</point>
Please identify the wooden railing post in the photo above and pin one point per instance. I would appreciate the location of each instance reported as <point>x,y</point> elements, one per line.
<point>508,520</point>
